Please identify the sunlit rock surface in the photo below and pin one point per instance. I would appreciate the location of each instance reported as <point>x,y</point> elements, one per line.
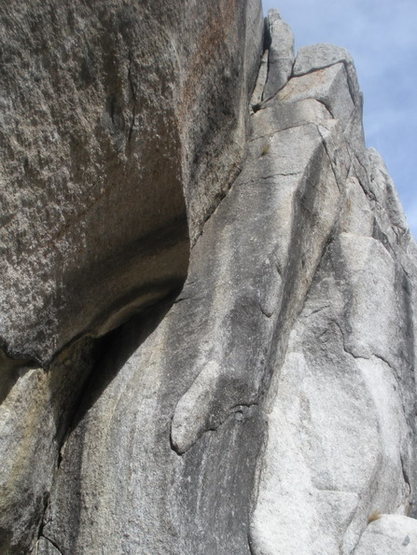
<point>208,291</point>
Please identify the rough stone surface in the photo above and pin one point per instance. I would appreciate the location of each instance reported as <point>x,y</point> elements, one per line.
<point>279,41</point>
<point>341,440</point>
<point>108,134</point>
<point>393,534</point>
<point>34,417</point>
<point>319,56</point>
<point>269,406</point>
<point>121,122</point>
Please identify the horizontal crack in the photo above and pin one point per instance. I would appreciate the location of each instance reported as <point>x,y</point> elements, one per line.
<point>272,133</point>
<point>281,174</point>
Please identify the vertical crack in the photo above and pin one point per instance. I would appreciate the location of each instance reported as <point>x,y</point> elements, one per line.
<point>133,95</point>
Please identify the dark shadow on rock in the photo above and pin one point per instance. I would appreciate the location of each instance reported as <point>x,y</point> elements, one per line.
<point>115,348</point>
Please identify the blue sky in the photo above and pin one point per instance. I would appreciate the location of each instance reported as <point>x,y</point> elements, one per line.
<point>382,38</point>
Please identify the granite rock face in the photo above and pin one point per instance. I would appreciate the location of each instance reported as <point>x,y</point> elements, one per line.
<point>122,125</point>
<point>389,534</point>
<point>108,135</point>
<point>209,291</point>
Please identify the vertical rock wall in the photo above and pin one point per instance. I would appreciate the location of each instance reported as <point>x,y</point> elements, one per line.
<point>122,125</point>
<point>269,406</point>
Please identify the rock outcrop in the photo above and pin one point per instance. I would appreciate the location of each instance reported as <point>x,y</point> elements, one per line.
<point>208,291</point>
<point>111,114</point>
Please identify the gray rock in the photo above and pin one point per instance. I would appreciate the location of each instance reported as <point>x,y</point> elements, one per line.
<point>45,546</point>
<point>279,42</point>
<point>258,92</point>
<point>81,154</point>
<point>107,134</point>
<point>321,56</point>
<point>393,534</point>
<point>109,123</point>
<point>214,399</point>
<point>244,314</point>
<point>328,86</point>
<point>268,407</point>
<point>341,440</point>
<point>34,417</point>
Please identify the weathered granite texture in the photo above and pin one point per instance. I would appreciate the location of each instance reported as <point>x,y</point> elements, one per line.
<point>269,406</point>
<point>115,116</point>
<point>394,534</point>
<point>121,122</point>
